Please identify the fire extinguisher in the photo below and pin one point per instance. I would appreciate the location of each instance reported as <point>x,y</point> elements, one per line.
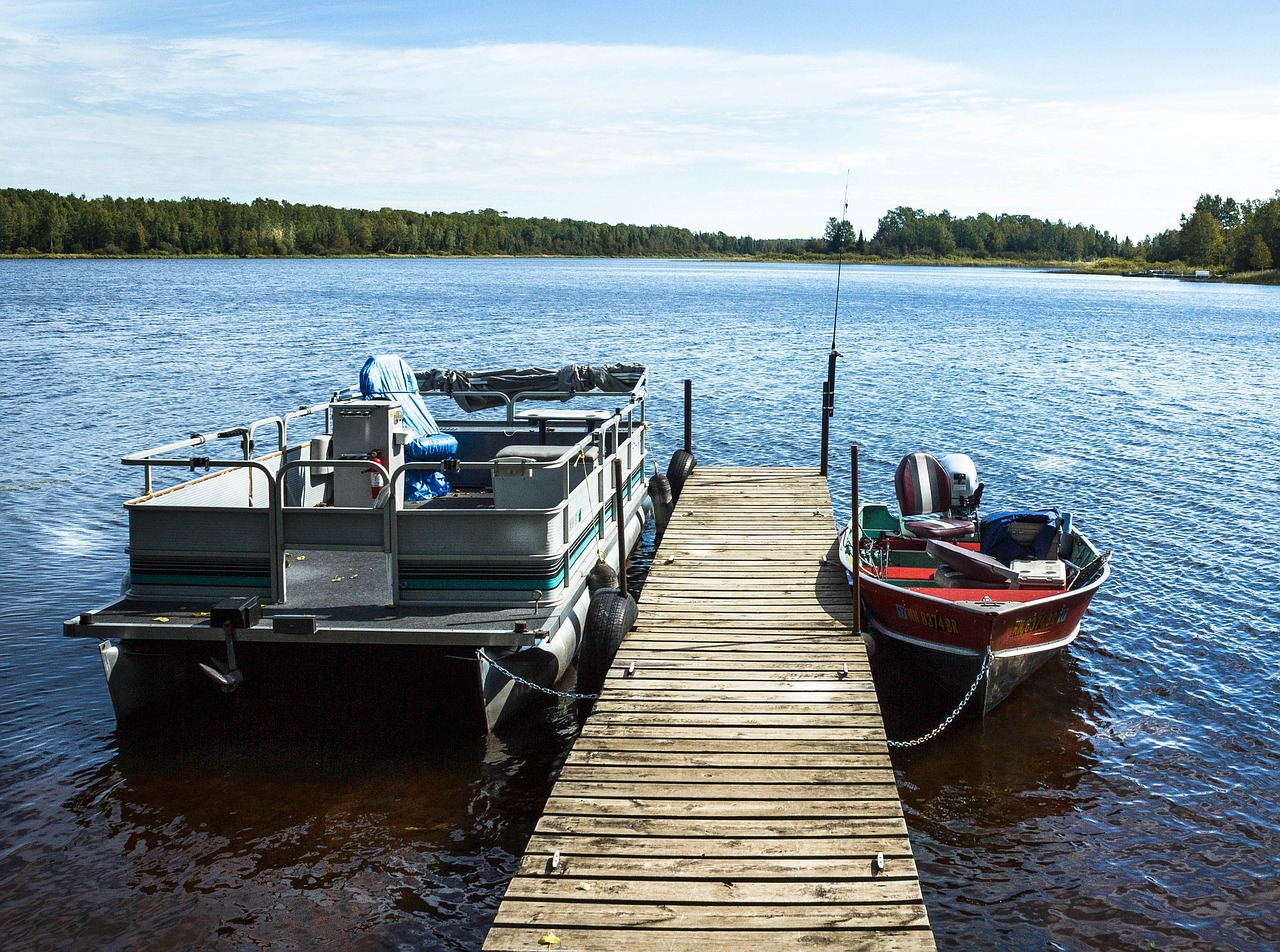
<point>376,479</point>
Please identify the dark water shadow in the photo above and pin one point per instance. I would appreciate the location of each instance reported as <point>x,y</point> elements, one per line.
<point>269,826</point>
<point>1022,758</point>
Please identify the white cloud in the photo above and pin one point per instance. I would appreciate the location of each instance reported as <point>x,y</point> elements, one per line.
<point>747,143</point>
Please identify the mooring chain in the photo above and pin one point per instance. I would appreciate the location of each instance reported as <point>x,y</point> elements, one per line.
<point>982,673</point>
<point>568,695</point>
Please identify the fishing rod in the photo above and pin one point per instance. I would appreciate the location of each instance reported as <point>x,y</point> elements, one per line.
<point>829,388</point>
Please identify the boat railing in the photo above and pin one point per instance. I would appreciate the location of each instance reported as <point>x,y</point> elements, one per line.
<point>154,456</point>
<point>509,400</point>
<point>383,526</point>
<point>635,396</point>
<point>201,523</point>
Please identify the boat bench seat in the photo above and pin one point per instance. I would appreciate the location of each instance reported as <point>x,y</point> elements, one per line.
<point>970,564</point>
<point>998,595</point>
<point>539,486</point>
<point>914,573</point>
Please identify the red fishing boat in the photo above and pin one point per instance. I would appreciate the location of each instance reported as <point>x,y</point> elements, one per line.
<point>981,601</point>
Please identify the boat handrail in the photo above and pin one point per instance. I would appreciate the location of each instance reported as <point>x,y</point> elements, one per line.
<point>636,395</point>
<point>570,454</point>
<point>148,457</point>
<point>301,412</point>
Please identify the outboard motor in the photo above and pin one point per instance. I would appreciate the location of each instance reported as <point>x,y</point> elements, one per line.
<point>966,491</point>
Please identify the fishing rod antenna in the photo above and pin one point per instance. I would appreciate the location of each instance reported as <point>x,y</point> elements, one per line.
<point>829,387</point>
<point>840,238</point>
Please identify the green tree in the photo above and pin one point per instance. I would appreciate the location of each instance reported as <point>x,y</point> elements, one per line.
<point>1226,211</point>
<point>838,235</point>
<point>1202,239</point>
<point>891,231</point>
<point>1259,256</point>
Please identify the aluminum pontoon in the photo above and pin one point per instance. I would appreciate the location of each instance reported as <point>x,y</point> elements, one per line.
<point>380,541</point>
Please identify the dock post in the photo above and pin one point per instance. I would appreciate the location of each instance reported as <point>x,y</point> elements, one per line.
<point>622,526</point>
<point>828,408</point>
<point>855,533</point>
<point>688,415</point>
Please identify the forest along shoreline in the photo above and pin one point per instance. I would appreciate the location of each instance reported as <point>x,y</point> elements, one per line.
<point>1221,239</point>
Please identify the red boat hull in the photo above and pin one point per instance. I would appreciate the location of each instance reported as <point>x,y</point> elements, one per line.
<point>950,629</point>
<point>953,635</point>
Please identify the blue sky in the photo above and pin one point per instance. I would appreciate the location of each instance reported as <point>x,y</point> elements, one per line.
<point>742,117</point>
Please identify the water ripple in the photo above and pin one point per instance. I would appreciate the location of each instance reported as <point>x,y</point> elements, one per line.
<point>1127,799</point>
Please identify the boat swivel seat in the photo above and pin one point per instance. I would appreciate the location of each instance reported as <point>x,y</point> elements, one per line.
<point>389,377</point>
<point>924,499</point>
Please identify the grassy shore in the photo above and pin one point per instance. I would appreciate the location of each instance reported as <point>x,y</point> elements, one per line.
<point>1256,277</point>
<point>916,260</point>
<point>1107,266</point>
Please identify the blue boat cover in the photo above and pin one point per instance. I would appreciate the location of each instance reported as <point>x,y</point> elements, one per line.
<point>389,377</point>
<point>998,543</point>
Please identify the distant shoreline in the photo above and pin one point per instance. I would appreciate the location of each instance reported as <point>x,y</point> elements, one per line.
<point>1132,269</point>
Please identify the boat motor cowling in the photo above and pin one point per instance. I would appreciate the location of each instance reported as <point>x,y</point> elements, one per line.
<point>966,491</point>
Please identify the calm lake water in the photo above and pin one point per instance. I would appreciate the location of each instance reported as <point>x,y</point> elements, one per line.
<point>1128,797</point>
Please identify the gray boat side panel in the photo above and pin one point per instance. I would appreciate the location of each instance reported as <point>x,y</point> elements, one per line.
<point>206,552</point>
<point>353,530</point>
<point>168,529</point>
<point>480,533</point>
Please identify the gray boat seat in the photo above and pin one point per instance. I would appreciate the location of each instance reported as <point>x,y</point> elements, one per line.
<point>535,487</point>
<point>531,451</point>
<point>970,564</point>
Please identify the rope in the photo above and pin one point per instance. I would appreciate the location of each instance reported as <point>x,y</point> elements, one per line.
<point>986,664</point>
<point>568,695</point>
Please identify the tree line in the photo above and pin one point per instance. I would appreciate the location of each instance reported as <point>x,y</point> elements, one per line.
<point>1218,233</point>
<point>1222,233</point>
<point>910,232</point>
<point>42,222</point>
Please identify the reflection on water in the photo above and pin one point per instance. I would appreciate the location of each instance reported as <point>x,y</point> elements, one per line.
<point>281,835</point>
<point>1024,760</point>
<point>1127,796</point>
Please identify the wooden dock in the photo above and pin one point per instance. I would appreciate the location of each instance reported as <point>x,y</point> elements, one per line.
<point>734,789</point>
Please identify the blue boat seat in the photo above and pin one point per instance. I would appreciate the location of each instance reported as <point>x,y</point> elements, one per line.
<point>389,377</point>
<point>924,499</point>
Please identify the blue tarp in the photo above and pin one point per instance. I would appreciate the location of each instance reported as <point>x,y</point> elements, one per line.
<point>999,544</point>
<point>388,377</point>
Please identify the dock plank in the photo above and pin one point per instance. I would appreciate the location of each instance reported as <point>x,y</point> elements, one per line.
<point>732,785</point>
<point>727,939</point>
